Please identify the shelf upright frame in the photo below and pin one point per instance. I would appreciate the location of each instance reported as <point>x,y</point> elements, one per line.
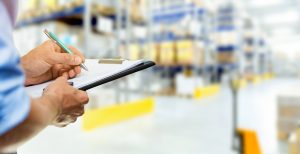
<point>87,17</point>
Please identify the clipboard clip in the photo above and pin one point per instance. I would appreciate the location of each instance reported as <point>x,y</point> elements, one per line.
<point>111,61</point>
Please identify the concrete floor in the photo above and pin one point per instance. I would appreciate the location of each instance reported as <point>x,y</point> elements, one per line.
<point>178,126</point>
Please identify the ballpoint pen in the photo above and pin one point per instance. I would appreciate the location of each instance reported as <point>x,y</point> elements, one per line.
<point>54,38</point>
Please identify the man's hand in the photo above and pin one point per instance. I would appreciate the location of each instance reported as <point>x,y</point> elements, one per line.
<point>60,105</point>
<point>66,101</point>
<point>48,61</point>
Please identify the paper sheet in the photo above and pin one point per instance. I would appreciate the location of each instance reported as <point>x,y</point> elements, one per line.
<point>96,72</point>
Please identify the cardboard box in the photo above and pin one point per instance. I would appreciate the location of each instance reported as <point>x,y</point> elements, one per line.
<point>226,57</point>
<point>288,113</point>
<point>134,51</point>
<point>138,10</point>
<point>185,52</point>
<point>106,7</point>
<point>154,52</point>
<point>294,142</point>
<point>167,53</point>
<point>189,52</point>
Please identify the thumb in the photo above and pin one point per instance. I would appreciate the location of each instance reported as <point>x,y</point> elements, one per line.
<point>57,82</point>
<point>61,80</point>
<point>64,58</point>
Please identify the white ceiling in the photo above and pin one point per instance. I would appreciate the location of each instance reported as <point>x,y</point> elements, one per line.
<point>280,19</point>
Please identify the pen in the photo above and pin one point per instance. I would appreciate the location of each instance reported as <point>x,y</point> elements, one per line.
<point>53,37</point>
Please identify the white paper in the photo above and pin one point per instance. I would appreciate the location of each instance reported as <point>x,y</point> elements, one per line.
<point>96,72</point>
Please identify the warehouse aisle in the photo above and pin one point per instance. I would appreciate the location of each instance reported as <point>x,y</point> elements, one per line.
<point>176,126</point>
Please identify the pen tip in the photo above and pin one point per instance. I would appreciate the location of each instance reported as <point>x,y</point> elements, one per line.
<point>84,67</point>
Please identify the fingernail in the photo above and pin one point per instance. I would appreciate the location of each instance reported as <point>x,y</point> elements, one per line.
<point>77,60</point>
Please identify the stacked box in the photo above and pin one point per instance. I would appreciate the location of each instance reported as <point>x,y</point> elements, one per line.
<point>154,52</point>
<point>294,142</point>
<point>288,114</point>
<point>50,5</point>
<point>134,51</point>
<point>185,51</point>
<point>106,7</point>
<point>167,53</point>
<point>138,10</point>
<point>226,57</point>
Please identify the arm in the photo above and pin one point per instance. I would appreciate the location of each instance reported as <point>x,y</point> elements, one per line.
<point>39,117</point>
<point>60,105</point>
<point>21,117</point>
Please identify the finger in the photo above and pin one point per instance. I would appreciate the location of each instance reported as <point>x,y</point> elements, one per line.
<point>82,97</point>
<point>63,58</point>
<point>61,80</point>
<point>67,67</point>
<point>56,69</point>
<point>77,52</point>
<point>65,74</point>
<point>77,69</point>
<point>72,73</point>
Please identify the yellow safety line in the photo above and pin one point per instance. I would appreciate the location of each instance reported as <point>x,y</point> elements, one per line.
<point>94,118</point>
<point>203,92</point>
<point>257,79</point>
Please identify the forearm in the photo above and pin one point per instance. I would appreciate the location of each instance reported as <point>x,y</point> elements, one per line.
<point>40,116</point>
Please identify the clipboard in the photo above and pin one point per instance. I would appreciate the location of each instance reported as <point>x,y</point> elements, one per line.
<point>116,76</point>
<point>99,74</point>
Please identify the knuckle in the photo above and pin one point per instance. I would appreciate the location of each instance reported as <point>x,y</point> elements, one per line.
<point>82,96</point>
<point>85,99</point>
<point>66,57</point>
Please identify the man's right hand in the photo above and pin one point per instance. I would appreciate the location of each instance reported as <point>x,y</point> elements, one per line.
<point>66,101</point>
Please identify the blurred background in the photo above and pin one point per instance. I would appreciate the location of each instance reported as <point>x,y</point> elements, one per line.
<point>226,79</point>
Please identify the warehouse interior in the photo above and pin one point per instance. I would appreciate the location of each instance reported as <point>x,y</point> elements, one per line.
<point>226,79</point>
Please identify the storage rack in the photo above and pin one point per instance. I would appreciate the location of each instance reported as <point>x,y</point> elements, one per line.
<point>171,14</point>
<point>166,13</point>
<point>85,15</point>
<point>229,53</point>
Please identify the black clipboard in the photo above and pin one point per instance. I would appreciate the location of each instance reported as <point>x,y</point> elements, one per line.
<point>116,76</point>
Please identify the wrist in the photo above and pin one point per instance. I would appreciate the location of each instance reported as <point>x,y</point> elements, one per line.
<point>50,108</point>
